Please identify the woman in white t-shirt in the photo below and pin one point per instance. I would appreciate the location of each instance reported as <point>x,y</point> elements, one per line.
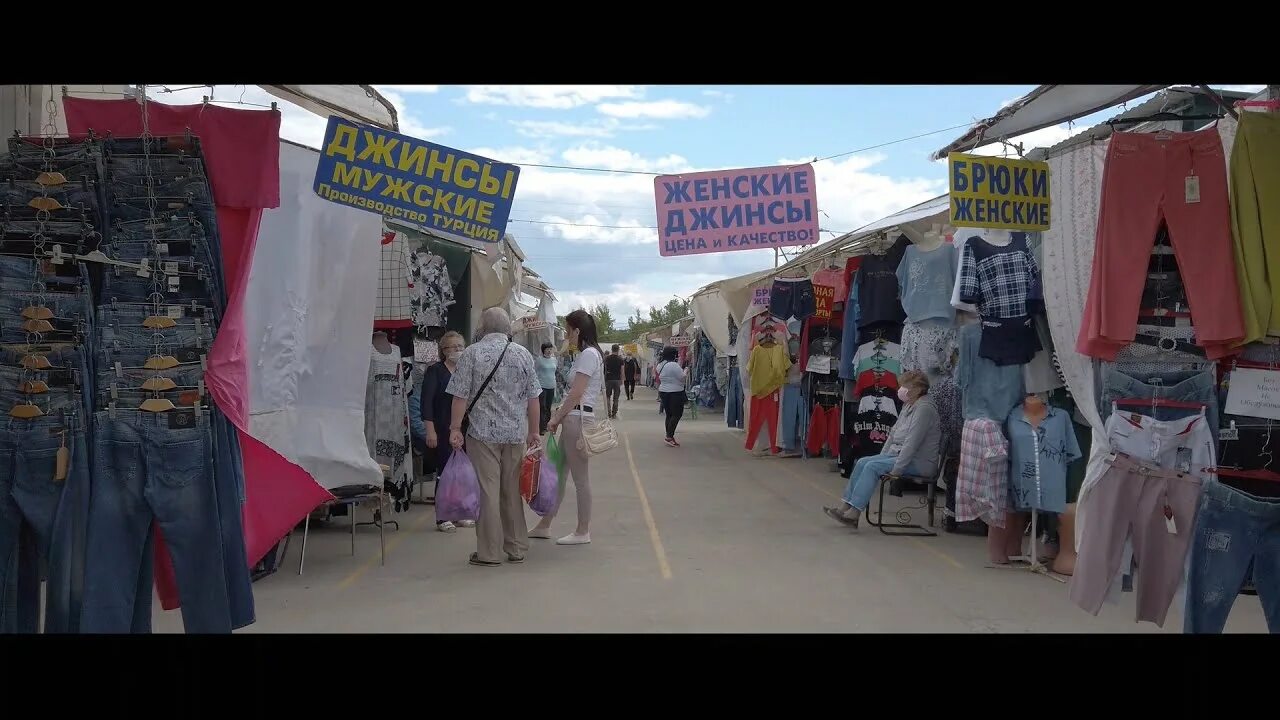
<point>671,384</point>
<point>585,387</point>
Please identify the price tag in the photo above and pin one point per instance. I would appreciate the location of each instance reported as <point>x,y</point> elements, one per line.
<point>174,311</point>
<point>1169,524</point>
<point>1193,189</point>
<point>162,248</point>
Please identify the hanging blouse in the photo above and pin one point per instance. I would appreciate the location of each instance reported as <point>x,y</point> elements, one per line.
<point>926,279</point>
<point>878,286</point>
<point>1040,483</point>
<point>432,290</point>
<point>1001,281</point>
<point>395,307</point>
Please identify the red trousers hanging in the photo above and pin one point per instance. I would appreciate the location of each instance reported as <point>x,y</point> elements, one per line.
<point>764,413</point>
<point>824,428</point>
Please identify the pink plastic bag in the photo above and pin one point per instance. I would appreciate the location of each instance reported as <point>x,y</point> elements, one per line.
<point>548,489</point>
<point>458,494</point>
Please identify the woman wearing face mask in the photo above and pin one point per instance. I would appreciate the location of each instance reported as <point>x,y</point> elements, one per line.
<point>546,365</point>
<point>583,403</point>
<point>437,405</point>
<point>913,448</point>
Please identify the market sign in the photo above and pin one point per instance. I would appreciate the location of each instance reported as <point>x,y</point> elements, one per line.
<point>824,297</point>
<point>680,341</point>
<point>759,300</point>
<point>530,324</point>
<point>726,210</point>
<point>1254,393</point>
<point>631,349</point>
<point>998,193</point>
<point>415,181</point>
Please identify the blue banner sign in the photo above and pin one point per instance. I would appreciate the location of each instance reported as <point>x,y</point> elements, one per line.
<point>415,181</point>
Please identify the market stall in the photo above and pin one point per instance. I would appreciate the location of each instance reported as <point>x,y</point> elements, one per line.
<point>1170,373</point>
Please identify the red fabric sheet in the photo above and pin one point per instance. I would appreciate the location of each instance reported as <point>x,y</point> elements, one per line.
<point>242,158</point>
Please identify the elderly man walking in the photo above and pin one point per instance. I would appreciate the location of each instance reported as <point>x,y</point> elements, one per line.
<point>495,388</point>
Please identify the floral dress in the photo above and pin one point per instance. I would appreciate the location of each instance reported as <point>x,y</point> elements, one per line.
<point>386,415</point>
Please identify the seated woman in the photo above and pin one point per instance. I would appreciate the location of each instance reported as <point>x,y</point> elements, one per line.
<point>913,448</point>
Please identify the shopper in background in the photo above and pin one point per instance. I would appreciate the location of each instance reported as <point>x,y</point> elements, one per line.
<point>671,392</point>
<point>495,389</point>
<point>630,371</point>
<point>613,380</point>
<point>547,364</point>
<point>435,406</point>
<point>913,448</point>
<point>587,380</point>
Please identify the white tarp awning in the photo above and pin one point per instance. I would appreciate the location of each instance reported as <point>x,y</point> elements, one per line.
<point>1044,107</point>
<point>360,103</point>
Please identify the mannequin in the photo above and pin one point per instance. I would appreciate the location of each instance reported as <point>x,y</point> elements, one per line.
<point>1006,542</point>
<point>1065,563</point>
<point>930,240</point>
<point>381,343</point>
<point>1036,410</point>
<point>999,238</point>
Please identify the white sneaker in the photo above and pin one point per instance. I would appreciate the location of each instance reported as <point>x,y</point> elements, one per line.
<point>466,523</point>
<point>447,527</point>
<point>574,539</point>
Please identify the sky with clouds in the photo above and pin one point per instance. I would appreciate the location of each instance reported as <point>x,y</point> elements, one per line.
<point>667,129</point>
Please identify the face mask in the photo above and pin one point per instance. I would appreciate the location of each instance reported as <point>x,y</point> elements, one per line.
<point>453,355</point>
<point>903,394</point>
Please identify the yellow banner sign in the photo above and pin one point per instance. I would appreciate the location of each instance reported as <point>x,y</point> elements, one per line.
<point>998,193</point>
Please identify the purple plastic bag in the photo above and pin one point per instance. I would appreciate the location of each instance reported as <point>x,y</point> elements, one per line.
<point>458,494</point>
<point>548,488</point>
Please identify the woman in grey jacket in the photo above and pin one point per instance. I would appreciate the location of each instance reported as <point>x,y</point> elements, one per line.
<point>913,448</point>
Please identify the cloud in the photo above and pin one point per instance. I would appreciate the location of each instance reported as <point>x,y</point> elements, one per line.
<point>515,154</point>
<point>555,128</point>
<point>410,123</point>
<point>851,194</point>
<point>620,264</point>
<point>614,158</point>
<point>1252,89</point>
<point>638,291</point>
<point>592,230</point>
<point>657,109</point>
<point>407,88</point>
<point>719,95</point>
<point>606,128</point>
<point>554,97</point>
<point>1042,138</point>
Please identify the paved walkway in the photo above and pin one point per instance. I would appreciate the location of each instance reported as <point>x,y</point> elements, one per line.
<point>699,538</point>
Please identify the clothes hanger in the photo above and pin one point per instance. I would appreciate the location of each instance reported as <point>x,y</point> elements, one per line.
<point>26,411</point>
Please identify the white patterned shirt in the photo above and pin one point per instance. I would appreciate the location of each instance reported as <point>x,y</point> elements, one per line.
<point>500,415</point>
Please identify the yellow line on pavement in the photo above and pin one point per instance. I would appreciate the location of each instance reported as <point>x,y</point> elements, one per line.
<point>950,560</point>
<point>648,513</point>
<point>954,563</point>
<point>395,541</point>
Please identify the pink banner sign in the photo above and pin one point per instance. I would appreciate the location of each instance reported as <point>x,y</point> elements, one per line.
<point>728,210</point>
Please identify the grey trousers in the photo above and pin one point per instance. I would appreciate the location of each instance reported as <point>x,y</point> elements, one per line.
<point>501,526</point>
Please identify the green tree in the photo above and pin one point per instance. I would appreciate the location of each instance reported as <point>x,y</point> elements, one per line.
<point>604,320</point>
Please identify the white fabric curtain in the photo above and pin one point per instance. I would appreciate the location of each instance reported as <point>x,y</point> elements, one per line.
<point>712,313</point>
<point>1075,189</point>
<point>308,316</point>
